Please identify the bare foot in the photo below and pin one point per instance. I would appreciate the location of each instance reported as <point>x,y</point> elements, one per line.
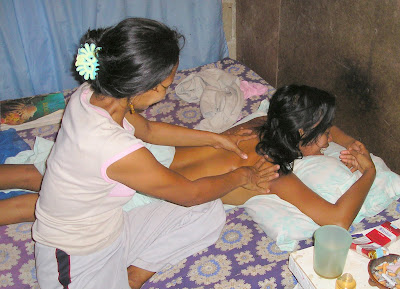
<point>137,276</point>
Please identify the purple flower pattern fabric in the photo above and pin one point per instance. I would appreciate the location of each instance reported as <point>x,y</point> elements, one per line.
<point>244,257</point>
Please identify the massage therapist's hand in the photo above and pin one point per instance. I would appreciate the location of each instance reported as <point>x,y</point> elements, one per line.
<point>359,159</point>
<point>231,142</point>
<point>259,176</point>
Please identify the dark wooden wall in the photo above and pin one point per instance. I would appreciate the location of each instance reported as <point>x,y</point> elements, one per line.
<point>350,48</point>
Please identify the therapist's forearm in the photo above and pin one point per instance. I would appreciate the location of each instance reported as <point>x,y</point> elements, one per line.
<point>168,134</point>
<point>172,135</point>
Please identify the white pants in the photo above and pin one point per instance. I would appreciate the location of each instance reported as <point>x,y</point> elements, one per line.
<point>154,236</point>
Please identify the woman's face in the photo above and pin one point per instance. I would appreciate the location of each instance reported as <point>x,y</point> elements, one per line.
<point>144,100</point>
<point>318,146</point>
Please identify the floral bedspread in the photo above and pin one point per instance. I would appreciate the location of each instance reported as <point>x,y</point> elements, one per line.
<point>244,257</point>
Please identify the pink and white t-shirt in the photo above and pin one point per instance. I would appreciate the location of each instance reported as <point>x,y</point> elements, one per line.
<point>79,209</point>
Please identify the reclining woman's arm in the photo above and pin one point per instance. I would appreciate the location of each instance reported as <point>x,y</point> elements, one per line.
<point>340,137</point>
<point>346,208</point>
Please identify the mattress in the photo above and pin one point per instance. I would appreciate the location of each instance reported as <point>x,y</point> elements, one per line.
<point>243,257</point>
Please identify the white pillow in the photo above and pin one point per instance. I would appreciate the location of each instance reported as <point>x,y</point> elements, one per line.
<point>330,178</point>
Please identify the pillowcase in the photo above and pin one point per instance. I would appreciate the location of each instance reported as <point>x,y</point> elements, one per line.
<point>330,178</point>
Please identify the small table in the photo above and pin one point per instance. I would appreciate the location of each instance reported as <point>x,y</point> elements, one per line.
<point>301,265</point>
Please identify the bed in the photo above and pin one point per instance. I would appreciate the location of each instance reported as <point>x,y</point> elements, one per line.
<point>243,257</point>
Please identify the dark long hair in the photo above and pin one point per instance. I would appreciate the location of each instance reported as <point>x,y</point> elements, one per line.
<point>294,108</point>
<point>136,55</point>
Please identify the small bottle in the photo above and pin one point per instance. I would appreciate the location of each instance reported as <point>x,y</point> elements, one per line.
<point>346,281</point>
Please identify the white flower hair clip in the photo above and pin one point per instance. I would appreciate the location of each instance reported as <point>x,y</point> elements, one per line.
<point>86,61</point>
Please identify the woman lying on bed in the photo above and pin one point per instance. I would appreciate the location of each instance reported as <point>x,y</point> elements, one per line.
<point>299,124</point>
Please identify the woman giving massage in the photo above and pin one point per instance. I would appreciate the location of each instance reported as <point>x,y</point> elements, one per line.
<point>299,123</point>
<point>83,238</point>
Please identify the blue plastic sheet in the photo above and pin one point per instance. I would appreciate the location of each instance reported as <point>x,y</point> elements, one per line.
<point>11,144</point>
<point>39,38</point>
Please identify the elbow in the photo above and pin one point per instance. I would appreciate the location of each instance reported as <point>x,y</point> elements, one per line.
<point>199,197</point>
<point>192,200</point>
<point>337,216</point>
<point>339,219</point>
<point>187,204</point>
<point>342,223</point>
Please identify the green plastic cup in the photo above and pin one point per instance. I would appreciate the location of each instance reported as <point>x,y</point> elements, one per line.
<point>331,245</point>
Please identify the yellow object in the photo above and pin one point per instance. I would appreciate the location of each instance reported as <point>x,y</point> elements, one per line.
<point>346,281</point>
<point>132,109</point>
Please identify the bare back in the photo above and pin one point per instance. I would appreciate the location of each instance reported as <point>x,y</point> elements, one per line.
<point>197,162</point>
<point>194,163</point>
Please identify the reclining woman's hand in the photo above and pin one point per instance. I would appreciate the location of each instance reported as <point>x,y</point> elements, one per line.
<point>357,159</point>
<point>358,146</point>
<point>231,142</point>
<point>259,176</point>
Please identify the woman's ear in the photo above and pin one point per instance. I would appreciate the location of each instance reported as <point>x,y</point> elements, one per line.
<point>301,132</point>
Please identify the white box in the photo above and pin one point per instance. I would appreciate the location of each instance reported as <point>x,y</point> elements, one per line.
<point>301,265</point>
<point>303,281</point>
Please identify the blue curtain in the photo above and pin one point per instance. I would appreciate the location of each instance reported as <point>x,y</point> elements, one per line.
<point>38,39</point>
